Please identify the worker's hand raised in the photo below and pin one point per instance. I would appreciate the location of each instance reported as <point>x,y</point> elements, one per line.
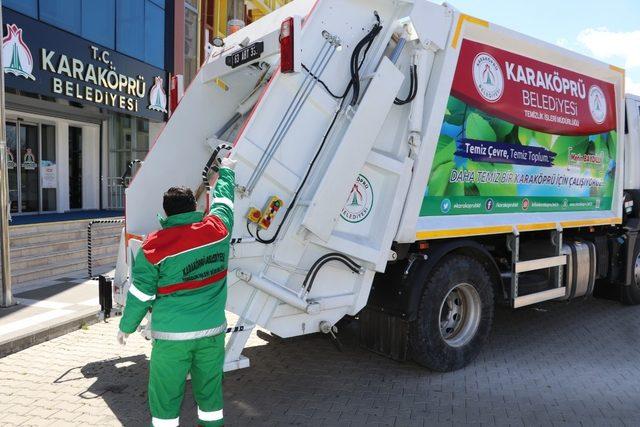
<point>228,163</point>
<point>122,338</point>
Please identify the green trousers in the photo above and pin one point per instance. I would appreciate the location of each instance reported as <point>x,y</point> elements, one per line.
<point>171,361</point>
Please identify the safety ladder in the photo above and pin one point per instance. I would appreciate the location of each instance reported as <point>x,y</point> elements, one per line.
<point>518,267</point>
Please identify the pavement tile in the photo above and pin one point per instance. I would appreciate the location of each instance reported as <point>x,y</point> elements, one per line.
<point>573,364</point>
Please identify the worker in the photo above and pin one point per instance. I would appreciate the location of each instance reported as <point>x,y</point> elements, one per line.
<point>180,274</point>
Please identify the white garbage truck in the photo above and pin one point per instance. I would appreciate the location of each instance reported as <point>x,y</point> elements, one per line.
<point>405,163</point>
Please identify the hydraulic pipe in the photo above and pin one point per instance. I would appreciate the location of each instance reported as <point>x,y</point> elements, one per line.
<point>275,290</point>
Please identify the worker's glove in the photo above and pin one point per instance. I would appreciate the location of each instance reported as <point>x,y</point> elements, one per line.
<point>122,338</point>
<point>228,163</point>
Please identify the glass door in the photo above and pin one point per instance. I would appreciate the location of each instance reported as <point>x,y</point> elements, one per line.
<point>12,166</point>
<point>23,149</point>
<point>75,167</point>
<point>29,170</point>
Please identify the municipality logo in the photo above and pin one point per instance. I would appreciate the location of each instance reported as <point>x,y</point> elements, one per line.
<point>16,55</point>
<point>488,77</point>
<point>597,104</point>
<point>360,201</point>
<point>157,97</point>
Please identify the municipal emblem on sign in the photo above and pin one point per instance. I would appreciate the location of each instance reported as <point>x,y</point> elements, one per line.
<point>16,56</point>
<point>487,77</point>
<point>29,161</point>
<point>597,104</point>
<point>525,204</point>
<point>360,201</point>
<point>157,97</point>
<point>11,163</point>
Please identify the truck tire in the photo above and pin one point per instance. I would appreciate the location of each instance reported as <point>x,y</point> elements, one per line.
<point>630,295</point>
<point>454,316</point>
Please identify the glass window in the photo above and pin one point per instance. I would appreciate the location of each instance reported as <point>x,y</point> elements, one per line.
<point>63,14</point>
<point>28,7</point>
<point>129,140</point>
<point>190,42</point>
<point>159,3</point>
<point>130,32</point>
<point>154,34</point>
<point>98,21</point>
<point>142,138</point>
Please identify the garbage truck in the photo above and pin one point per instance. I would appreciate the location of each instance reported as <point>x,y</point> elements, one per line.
<point>407,164</point>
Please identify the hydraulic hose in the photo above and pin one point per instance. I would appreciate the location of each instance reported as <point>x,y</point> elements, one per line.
<point>307,284</point>
<point>413,88</point>
<point>211,166</point>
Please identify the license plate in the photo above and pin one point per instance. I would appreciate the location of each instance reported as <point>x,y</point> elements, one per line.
<point>245,55</point>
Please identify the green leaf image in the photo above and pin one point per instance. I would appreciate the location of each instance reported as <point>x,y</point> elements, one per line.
<point>492,189</point>
<point>526,136</point>
<point>478,128</point>
<point>444,151</point>
<point>470,189</point>
<point>501,128</point>
<point>613,144</point>
<point>455,189</point>
<point>456,110</point>
<point>566,144</point>
<point>439,179</point>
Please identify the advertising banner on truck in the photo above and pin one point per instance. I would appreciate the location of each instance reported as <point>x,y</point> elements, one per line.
<point>521,135</point>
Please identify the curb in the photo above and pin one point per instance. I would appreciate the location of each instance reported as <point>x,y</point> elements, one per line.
<point>16,344</point>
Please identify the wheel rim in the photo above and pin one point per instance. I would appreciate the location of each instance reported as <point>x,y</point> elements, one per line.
<point>636,270</point>
<point>460,314</point>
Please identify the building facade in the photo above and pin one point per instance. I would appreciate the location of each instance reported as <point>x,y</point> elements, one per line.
<point>86,94</point>
<point>200,21</point>
<point>87,89</point>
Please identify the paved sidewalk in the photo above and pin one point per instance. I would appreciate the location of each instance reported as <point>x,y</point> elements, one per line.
<point>576,364</point>
<point>46,309</point>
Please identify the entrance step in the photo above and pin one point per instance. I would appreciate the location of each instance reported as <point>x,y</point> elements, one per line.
<point>40,251</point>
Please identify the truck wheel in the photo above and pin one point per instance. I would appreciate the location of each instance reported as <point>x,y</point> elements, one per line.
<point>631,294</point>
<point>454,316</point>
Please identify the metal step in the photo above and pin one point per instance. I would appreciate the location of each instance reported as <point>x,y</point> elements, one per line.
<point>539,297</point>
<point>553,262</point>
<point>540,263</point>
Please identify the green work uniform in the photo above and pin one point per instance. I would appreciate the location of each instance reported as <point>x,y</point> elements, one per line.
<point>180,273</point>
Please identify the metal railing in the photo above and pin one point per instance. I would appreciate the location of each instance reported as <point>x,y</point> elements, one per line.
<point>115,192</point>
<point>89,243</point>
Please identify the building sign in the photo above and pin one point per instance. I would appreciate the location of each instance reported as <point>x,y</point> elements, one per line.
<point>42,59</point>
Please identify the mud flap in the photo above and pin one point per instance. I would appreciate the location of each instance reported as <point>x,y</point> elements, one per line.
<point>384,334</point>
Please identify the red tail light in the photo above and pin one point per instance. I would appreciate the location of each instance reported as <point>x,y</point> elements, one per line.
<point>290,61</point>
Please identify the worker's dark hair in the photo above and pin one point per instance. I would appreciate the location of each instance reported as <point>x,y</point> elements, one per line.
<point>178,200</point>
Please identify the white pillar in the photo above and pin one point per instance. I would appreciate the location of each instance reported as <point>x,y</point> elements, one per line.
<point>62,158</point>
<point>104,167</point>
<point>90,166</point>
